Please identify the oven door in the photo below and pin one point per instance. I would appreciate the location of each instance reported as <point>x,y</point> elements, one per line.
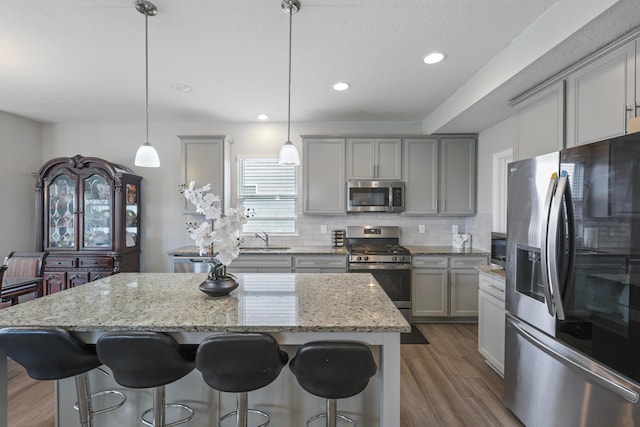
<point>395,280</point>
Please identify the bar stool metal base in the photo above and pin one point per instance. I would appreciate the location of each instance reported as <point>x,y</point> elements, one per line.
<point>242,411</point>
<point>158,410</point>
<point>84,405</point>
<point>331,415</point>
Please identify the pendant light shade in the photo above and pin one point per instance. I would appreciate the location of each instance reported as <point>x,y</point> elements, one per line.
<point>288,153</point>
<point>146,156</point>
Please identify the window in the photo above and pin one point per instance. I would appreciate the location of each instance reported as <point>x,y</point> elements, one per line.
<point>271,191</point>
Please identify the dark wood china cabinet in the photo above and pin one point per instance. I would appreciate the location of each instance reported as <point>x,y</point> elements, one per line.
<point>88,218</point>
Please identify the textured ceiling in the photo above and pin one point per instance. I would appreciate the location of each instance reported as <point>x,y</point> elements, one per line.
<point>83,61</point>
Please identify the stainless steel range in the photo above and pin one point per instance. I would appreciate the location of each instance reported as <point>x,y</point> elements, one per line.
<point>376,250</point>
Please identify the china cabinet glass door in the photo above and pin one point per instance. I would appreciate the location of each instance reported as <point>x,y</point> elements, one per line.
<point>131,215</point>
<point>98,209</point>
<point>62,209</point>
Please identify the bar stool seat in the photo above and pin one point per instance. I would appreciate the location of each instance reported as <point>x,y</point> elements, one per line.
<point>240,363</point>
<point>55,354</point>
<point>148,360</point>
<point>333,370</point>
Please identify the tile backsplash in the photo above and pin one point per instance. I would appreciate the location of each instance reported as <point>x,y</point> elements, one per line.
<point>437,230</point>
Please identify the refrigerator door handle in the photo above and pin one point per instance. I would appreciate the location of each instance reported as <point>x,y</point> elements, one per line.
<point>544,268</point>
<point>552,246</point>
<point>629,395</point>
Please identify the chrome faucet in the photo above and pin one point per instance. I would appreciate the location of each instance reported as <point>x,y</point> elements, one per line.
<point>265,239</point>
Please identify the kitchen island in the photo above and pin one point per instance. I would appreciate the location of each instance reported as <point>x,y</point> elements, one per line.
<point>294,308</point>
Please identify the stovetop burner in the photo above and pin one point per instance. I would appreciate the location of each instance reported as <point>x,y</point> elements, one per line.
<point>367,249</point>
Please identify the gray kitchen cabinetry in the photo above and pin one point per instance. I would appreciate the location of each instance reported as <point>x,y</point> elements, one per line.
<point>320,263</point>
<point>440,175</point>
<point>429,286</point>
<point>603,95</point>
<point>445,287</point>
<point>323,177</point>
<point>267,263</point>
<point>202,160</point>
<point>374,158</point>
<point>491,321</point>
<point>539,122</point>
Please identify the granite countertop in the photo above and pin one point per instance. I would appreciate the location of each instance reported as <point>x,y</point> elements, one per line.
<point>192,250</point>
<point>493,270</point>
<point>172,302</point>
<point>444,250</point>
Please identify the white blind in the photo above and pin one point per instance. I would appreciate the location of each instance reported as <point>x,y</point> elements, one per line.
<point>271,191</point>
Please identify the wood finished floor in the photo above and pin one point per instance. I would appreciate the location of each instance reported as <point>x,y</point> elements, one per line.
<point>445,383</point>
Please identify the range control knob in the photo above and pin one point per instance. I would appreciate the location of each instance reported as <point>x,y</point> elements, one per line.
<point>366,258</point>
<point>359,258</point>
<point>395,258</point>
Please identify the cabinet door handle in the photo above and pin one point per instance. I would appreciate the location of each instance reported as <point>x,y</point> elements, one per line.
<point>496,288</point>
<point>627,110</point>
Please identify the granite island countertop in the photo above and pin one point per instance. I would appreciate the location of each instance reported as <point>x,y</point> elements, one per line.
<point>172,302</point>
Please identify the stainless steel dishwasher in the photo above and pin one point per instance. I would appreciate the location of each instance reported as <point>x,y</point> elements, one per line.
<point>190,264</point>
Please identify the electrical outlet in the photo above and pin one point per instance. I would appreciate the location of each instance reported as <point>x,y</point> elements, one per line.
<point>421,229</point>
<point>323,229</point>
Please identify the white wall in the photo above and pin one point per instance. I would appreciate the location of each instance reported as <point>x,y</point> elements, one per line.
<point>21,155</point>
<point>163,222</point>
<point>498,137</point>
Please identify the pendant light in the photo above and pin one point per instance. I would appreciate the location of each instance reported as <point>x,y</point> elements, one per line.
<point>146,156</point>
<point>288,153</point>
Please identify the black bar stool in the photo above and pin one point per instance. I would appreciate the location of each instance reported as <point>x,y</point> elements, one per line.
<point>148,360</point>
<point>239,363</point>
<point>333,370</point>
<point>55,354</point>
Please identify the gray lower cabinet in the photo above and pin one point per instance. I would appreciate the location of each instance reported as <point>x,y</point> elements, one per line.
<point>440,175</point>
<point>491,321</point>
<point>323,176</point>
<point>249,263</point>
<point>320,264</point>
<point>445,287</point>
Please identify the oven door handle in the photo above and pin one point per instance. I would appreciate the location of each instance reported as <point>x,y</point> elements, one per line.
<point>378,266</point>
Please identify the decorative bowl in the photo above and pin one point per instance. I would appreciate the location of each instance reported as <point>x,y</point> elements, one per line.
<point>218,288</point>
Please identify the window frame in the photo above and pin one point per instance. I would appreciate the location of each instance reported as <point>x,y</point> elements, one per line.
<point>241,198</point>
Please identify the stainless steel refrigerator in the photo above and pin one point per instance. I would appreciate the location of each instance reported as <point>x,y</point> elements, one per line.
<point>572,346</point>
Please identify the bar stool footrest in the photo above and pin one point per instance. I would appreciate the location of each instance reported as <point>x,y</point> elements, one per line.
<point>339,416</point>
<point>168,405</point>
<point>104,393</point>
<point>252,411</point>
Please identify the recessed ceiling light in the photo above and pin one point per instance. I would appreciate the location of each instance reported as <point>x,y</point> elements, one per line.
<point>433,58</point>
<point>340,86</point>
<point>263,117</point>
<point>181,87</point>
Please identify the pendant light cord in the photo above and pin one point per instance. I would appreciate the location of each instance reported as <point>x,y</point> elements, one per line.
<point>146,75</point>
<point>289,108</point>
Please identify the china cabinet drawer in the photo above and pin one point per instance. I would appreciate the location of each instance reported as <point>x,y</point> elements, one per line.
<point>96,262</point>
<point>52,262</point>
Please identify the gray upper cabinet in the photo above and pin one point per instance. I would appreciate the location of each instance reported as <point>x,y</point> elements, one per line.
<point>421,176</point>
<point>323,176</point>
<point>374,158</point>
<point>202,160</point>
<point>457,176</point>
<point>440,175</point>
<point>602,96</point>
<point>539,122</point>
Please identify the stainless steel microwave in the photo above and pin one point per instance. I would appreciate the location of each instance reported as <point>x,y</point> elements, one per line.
<point>375,196</point>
